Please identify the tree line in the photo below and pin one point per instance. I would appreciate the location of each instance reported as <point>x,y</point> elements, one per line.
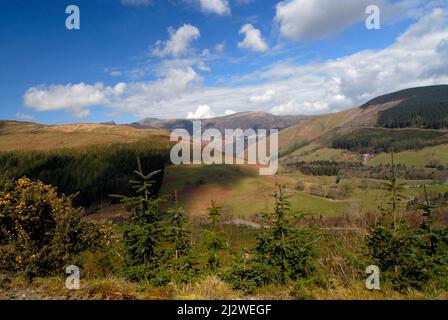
<point>93,172</point>
<point>372,140</point>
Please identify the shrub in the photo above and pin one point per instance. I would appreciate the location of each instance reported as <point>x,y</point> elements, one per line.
<point>42,231</point>
<point>300,186</point>
<point>345,189</point>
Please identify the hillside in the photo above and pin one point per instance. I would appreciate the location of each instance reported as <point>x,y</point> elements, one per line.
<point>424,107</point>
<point>361,129</point>
<point>241,120</point>
<point>16,135</point>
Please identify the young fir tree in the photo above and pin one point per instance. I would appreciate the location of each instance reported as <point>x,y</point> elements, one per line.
<point>433,244</point>
<point>289,250</point>
<point>389,239</point>
<point>394,188</point>
<point>408,257</point>
<point>181,260</point>
<point>143,233</point>
<point>215,238</point>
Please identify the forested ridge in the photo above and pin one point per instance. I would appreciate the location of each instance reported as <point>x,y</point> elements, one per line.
<point>383,140</point>
<point>94,172</point>
<point>424,107</point>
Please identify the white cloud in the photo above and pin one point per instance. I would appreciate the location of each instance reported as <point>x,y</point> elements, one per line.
<point>252,39</point>
<point>310,19</point>
<point>219,7</point>
<point>418,57</point>
<point>220,47</point>
<point>292,107</point>
<point>263,98</point>
<point>229,112</point>
<point>202,112</point>
<point>24,116</point>
<point>314,19</point>
<point>75,98</point>
<point>179,41</point>
<point>136,3</point>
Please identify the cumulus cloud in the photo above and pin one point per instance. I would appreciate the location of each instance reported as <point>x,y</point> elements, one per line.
<point>202,112</point>
<point>310,19</point>
<point>263,98</point>
<point>74,97</point>
<point>418,57</point>
<point>314,19</point>
<point>178,43</point>
<point>252,39</point>
<point>219,7</point>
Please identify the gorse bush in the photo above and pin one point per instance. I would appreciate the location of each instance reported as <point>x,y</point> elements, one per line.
<point>41,231</point>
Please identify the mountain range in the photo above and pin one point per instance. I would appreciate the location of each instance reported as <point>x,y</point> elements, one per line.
<point>422,109</point>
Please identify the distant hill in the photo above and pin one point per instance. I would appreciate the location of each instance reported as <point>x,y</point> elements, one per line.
<point>371,126</point>
<point>15,135</point>
<point>241,120</point>
<point>423,107</point>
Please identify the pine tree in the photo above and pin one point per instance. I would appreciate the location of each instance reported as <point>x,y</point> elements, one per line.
<point>215,238</point>
<point>390,242</point>
<point>394,188</point>
<point>182,262</point>
<point>178,233</point>
<point>143,233</point>
<point>288,249</point>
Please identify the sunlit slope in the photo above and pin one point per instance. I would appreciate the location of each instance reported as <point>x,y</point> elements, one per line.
<point>416,158</point>
<point>241,192</point>
<point>31,136</point>
<point>422,108</point>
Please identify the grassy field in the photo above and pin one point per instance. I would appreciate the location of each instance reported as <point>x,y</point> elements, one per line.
<point>418,158</point>
<point>240,191</point>
<point>329,154</point>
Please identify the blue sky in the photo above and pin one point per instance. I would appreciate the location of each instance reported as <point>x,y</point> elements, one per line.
<point>133,59</point>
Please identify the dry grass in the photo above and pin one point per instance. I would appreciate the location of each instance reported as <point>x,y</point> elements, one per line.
<point>208,288</point>
<point>30,136</point>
